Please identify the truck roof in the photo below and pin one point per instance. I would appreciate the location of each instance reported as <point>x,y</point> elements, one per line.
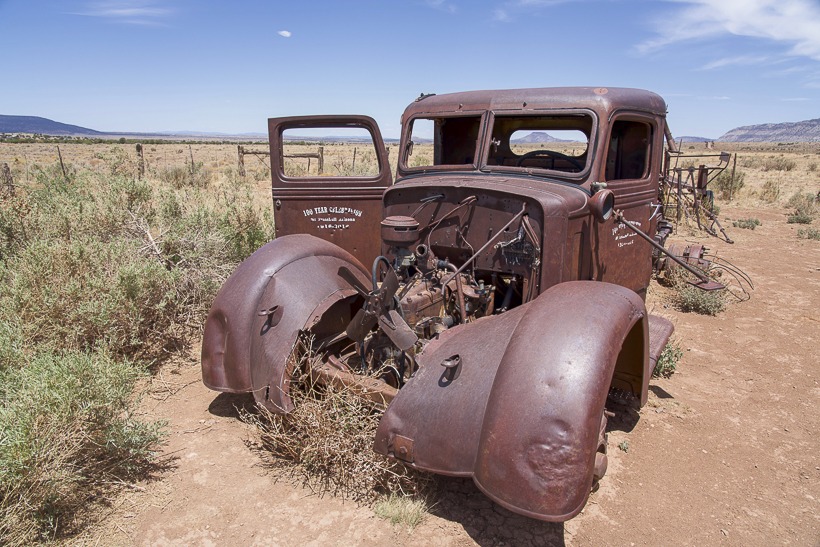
<point>602,100</point>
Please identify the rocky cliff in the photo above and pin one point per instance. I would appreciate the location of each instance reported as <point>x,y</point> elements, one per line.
<point>805,131</point>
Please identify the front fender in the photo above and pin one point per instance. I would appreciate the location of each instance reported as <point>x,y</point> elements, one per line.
<point>258,313</point>
<point>522,413</point>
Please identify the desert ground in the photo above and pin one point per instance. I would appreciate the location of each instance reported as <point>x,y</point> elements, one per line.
<point>724,453</point>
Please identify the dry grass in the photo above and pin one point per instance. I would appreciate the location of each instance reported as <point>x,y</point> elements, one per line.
<point>773,172</point>
<point>326,443</point>
<point>398,509</point>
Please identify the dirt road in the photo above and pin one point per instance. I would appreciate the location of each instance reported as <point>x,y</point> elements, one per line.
<point>725,452</point>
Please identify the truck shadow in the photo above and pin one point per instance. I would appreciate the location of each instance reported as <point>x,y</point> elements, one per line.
<point>229,405</point>
<point>456,499</point>
<point>626,415</point>
<point>459,500</point>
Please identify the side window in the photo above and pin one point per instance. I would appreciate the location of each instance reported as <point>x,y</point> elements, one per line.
<point>329,152</point>
<point>445,141</point>
<point>628,151</point>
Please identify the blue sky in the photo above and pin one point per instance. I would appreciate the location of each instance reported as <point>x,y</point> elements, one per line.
<point>155,65</point>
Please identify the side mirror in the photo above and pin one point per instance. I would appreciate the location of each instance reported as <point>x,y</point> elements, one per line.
<point>602,204</point>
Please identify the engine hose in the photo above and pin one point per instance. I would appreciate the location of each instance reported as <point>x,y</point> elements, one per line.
<point>374,276</point>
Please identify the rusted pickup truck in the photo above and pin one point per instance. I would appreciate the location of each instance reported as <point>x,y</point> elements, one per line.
<point>490,299</point>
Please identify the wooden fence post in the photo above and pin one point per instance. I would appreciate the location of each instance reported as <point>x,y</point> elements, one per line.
<point>241,152</point>
<point>8,180</point>
<point>62,165</point>
<point>140,162</point>
<point>321,159</point>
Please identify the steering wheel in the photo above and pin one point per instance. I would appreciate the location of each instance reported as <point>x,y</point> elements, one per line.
<point>552,154</point>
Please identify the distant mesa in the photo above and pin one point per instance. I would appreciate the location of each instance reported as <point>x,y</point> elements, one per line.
<point>805,131</point>
<point>43,126</point>
<point>36,125</point>
<point>538,137</point>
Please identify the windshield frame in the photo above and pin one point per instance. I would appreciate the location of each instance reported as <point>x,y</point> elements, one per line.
<point>578,177</point>
<point>406,139</point>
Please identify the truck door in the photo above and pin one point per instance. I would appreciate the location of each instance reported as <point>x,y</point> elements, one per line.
<point>328,175</point>
<point>631,171</point>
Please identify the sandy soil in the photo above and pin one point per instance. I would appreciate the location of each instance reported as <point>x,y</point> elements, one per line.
<point>725,452</point>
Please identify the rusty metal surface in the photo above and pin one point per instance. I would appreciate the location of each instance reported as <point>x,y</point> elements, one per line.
<point>345,210</point>
<point>600,99</point>
<point>503,303</point>
<point>245,351</point>
<point>522,416</point>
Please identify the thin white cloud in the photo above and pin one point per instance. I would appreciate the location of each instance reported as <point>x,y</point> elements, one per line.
<point>285,33</point>
<point>742,60</point>
<point>792,22</point>
<point>442,5</point>
<point>508,10</point>
<point>795,99</point>
<point>131,12</point>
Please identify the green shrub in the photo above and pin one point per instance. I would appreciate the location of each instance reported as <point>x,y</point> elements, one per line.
<point>668,360</point>
<point>66,432</point>
<point>101,277</point>
<point>725,186</point>
<point>805,208</point>
<point>809,233</point>
<point>181,177</point>
<point>746,223</point>
<point>778,163</point>
<point>244,226</point>
<point>12,346</point>
<point>95,294</point>
<point>692,299</point>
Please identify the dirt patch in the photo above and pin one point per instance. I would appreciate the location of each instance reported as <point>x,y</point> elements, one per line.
<point>726,450</point>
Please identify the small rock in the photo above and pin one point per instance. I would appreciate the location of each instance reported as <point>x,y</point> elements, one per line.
<point>724,532</point>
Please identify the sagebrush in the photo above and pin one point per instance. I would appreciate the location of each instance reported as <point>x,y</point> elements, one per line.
<point>104,276</point>
<point>805,208</point>
<point>746,223</point>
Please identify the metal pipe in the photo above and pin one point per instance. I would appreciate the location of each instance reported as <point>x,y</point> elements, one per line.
<point>670,140</point>
<point>448,266</point>
<point>709,284</point>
